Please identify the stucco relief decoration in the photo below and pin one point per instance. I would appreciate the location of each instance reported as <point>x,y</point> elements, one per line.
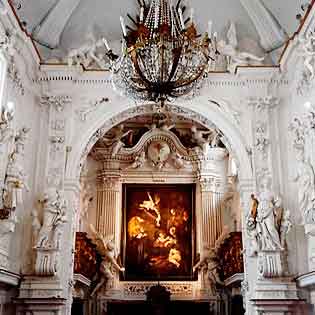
<point>48,233</point>
<point>262,141</point>
<point>6,129</point>
<point>84,112</point>
<point>57,101</point>
<point>268,224</point>
<point>8,44</point>
<point>303,132</point>
<point>307,52</point>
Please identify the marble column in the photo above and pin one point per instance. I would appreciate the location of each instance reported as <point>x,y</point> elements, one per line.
<point>211,211</point>
<point>213,185</point>
<point>108,204</point>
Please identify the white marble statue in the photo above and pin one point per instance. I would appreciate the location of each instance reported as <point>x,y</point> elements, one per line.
<point>234,56</point>
<point>266,224</point>
<point>53,217</point>
<point>201,138</point>
<point>177,160</point>
<point>88,54</point>
<point>116,141</point>
<point>208,266</point>
<point>138,162</point>
<point>6,131</point>
<point>15,182</point>
<point>109,263</point>
<point>305,179</point>
<point>215,138</point>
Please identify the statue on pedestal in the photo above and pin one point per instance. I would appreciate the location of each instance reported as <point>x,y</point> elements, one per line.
<point>48,233</point>
<point>15,182</point>
<point>267,226</point>
<point>236,57</point>
<point>53,216</point>
<point>109,263</point>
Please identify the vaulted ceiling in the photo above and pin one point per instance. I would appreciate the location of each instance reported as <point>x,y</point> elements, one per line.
<point>63,25</point>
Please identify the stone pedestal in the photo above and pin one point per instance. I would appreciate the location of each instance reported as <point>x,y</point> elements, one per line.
<point>307,282</point>
<point>278,296</point>
<point>281,307</point>
<point>40,296</point>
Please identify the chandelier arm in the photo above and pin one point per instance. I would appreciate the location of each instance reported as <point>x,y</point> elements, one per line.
<point>191,80</point>
<point>177,54</point>
<point>134,59</point>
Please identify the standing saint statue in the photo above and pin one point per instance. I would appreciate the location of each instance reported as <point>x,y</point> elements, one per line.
<point>14,182</point>
<point>305,178</point>
<point>266,224</point>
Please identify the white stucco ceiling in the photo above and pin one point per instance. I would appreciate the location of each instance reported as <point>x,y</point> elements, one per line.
<point>102,17</point>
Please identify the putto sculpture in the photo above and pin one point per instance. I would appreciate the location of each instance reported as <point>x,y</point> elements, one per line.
<point>106,247</point>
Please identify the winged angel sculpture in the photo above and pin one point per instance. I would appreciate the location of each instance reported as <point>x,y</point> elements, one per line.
<point>105,246</point>
<point>235,57</point>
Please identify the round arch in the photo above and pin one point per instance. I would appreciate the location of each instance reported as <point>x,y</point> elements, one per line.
<point>205,113</point>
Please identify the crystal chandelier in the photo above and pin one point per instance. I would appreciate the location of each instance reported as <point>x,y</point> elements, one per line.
<point>163,57</point>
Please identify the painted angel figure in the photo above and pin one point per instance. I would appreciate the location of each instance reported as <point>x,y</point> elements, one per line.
<point>116,141</point>
<point>236,57</point>
<point>106,247</point>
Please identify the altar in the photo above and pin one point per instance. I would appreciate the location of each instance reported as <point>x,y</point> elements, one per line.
<point>162,206</point>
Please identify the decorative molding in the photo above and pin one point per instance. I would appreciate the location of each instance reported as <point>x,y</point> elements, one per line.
<point>59,102</point>
<point>137,290</point>
<point>236,279</point>
<point>86,110</point>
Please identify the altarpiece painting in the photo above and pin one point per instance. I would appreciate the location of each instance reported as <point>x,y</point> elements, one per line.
<point>158,235</point>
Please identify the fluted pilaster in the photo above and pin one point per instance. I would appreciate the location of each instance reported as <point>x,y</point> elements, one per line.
<point>108,204</point>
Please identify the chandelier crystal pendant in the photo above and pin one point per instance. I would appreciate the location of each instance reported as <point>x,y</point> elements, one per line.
<point>163,57</point>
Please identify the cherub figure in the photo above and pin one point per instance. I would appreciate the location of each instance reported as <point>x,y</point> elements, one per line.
<point>152,205</point>
<point>138,162</point>
<point>106,247</point>
<point>234,56</point>
<point>116,141</point>
<point>209,264</point>
<point>198,136</point>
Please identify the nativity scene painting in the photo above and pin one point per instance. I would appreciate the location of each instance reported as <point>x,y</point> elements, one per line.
<point>158,232</point>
